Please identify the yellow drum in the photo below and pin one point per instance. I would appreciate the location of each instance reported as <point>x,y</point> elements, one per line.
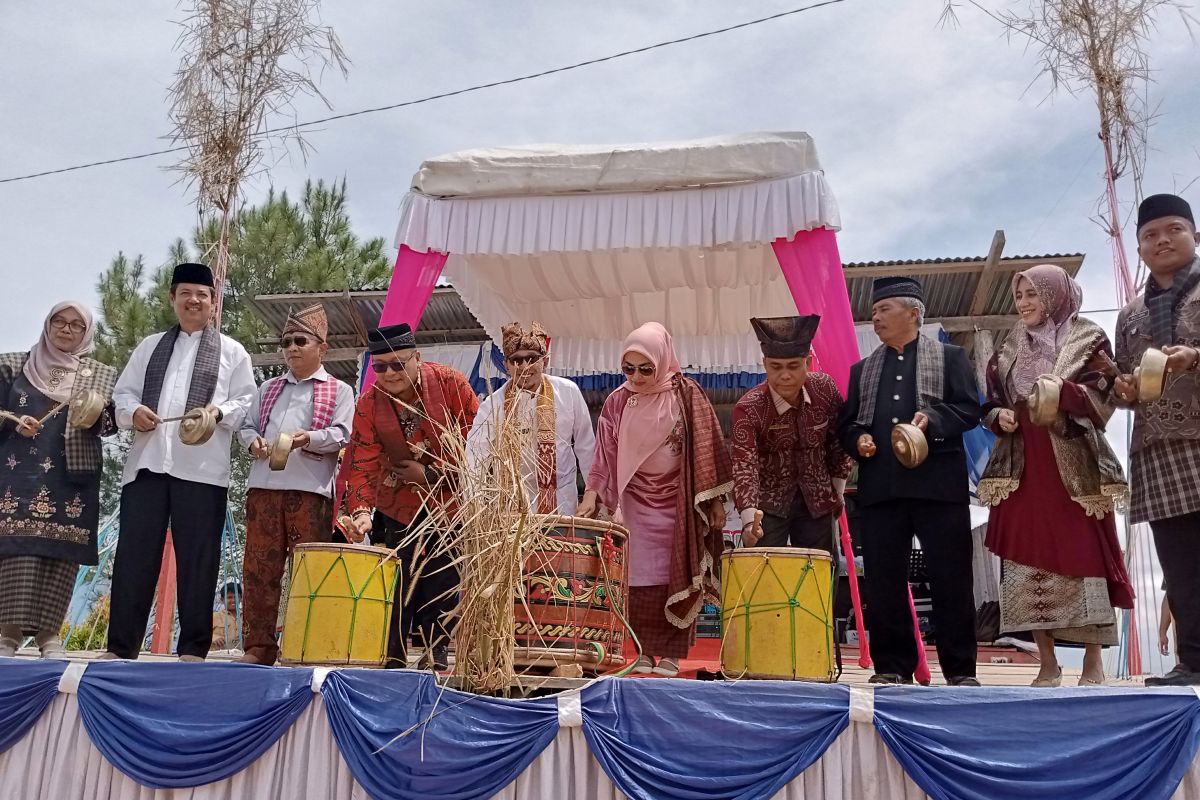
<point>777,614</point>
<point>339,605</point>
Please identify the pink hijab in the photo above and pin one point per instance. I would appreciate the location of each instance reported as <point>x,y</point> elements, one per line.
<point>653,410</point>
<point>52,371</point>
<point>1037,350</point>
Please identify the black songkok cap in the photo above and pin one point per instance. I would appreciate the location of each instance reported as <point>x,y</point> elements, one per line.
<point>390,338</point>
<point>785,337</point>
<point>198,274</point>
<point>897,286</point>
<point>1157,206</point>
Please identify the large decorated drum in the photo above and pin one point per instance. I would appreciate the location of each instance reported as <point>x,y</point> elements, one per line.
<point>573,598</point>
<point>339,605</point>
<point>777,614</point>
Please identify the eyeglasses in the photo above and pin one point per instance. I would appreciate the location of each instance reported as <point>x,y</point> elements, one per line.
<point>299,341</point>
<point>642,369</point>
<point>522,361</point>
<point>75,326</point>
<point>381,367</point>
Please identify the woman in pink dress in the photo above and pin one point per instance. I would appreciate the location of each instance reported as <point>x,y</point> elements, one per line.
<point>663,471</point>
<point>1053,488</point>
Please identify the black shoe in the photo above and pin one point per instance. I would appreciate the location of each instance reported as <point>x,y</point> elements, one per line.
<point>962,680</point>
<point>438,660</point>
<point>1180,676</point>
<point>889,678</point>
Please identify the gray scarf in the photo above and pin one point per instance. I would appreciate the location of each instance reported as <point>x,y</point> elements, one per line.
<point>931,378</point>
<point>1163,303</point>
<point>204,372</point>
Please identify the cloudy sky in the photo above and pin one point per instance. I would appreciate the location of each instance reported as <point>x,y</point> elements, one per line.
<point>932,138</point>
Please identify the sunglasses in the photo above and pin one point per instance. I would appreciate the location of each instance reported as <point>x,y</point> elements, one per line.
<point>642,369</point>
<point>393,366</point>
<point>299,341</point>
<point>522,361</point>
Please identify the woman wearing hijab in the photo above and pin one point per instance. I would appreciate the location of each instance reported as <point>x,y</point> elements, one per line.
<point>661,468</point>
<point>50,506</point>
<point>1054,487</point>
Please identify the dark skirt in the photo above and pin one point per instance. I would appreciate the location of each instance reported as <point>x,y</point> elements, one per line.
<point>1041,527</point>
<point>648,618</point>
<point>35,592</point>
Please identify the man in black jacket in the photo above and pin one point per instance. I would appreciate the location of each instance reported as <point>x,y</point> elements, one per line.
<point>914,379</point>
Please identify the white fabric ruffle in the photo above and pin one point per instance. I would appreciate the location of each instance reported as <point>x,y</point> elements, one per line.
<point>709,217</point>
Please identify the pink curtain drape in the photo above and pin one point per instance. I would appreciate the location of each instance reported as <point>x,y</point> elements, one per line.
<point>413,280</point>
<point>812,266</point>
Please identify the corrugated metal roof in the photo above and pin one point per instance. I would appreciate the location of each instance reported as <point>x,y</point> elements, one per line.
<point>950,283</point>
<point>446,318</point>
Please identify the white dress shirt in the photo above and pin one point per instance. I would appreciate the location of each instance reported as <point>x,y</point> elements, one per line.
<point>160,450</point>
<point>575,443</point>
<point>312,468</point>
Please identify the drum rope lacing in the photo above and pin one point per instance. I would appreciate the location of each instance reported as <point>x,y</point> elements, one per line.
<point>748,607</point>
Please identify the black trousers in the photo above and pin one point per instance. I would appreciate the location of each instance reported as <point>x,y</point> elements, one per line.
<point>195,513</point>
<point>1176,540</point>
<point>944,530</point>
<point>428,586</point>
<point>798,529</point>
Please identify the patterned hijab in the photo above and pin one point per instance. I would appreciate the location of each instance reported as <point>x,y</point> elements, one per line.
<point>1037,348</point>
<point>52,371</point>
<point>653,409</point>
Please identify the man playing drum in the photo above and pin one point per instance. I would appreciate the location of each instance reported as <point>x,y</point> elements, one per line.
<point>299,421</point>
<point>196,370</point>
<point>787,461</point>
<point>915,380</point>
<point>549,415</point>
<point>398,463</point>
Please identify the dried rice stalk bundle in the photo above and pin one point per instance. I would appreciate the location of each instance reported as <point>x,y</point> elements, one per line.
<point>492,533</point>
<point>242,64</point>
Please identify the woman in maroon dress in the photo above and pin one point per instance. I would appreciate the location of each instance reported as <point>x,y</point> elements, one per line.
<point>1054,487</point>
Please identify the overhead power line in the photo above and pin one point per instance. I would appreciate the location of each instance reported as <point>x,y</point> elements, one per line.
<point>444,95</point>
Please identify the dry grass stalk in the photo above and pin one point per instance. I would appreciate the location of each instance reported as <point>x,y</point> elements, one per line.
<point>242,64</point>
<point>1101,47</point>
<point>494,533</point>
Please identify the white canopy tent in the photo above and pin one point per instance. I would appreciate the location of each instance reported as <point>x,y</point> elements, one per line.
<point>594,241</point>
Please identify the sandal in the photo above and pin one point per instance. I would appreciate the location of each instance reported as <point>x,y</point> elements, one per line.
<point>643,666</point>
<point>667,667</point>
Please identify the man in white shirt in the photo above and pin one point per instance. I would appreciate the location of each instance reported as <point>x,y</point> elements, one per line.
<point>293,505</point>
<point>548,412</point>
<point>169,483</point>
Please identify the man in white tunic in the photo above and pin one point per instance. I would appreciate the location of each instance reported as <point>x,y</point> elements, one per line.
<point>548,413</point>
<point>293,505</point>
<point>167,483</point>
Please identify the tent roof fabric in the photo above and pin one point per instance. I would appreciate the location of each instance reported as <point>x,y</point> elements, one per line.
<point>550,169</point>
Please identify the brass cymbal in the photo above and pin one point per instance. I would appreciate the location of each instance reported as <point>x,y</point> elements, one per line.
<point>281,448</point>
<point>85,408</point>
<point>909,444</point>
<point>1044,400</point>
<point>197,426</point>
<point>1151,375</point>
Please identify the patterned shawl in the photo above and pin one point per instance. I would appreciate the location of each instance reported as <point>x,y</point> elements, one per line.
<point>1037,347</point>
<point>546,444</point>
<point>1089,469</point>
<point>931,378</point>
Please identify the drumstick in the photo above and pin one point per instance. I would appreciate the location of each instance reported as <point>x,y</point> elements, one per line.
<point>54,411</point>
<point>756,526</point>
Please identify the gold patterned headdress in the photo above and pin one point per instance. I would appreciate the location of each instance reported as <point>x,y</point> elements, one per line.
<point>514,338</point>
